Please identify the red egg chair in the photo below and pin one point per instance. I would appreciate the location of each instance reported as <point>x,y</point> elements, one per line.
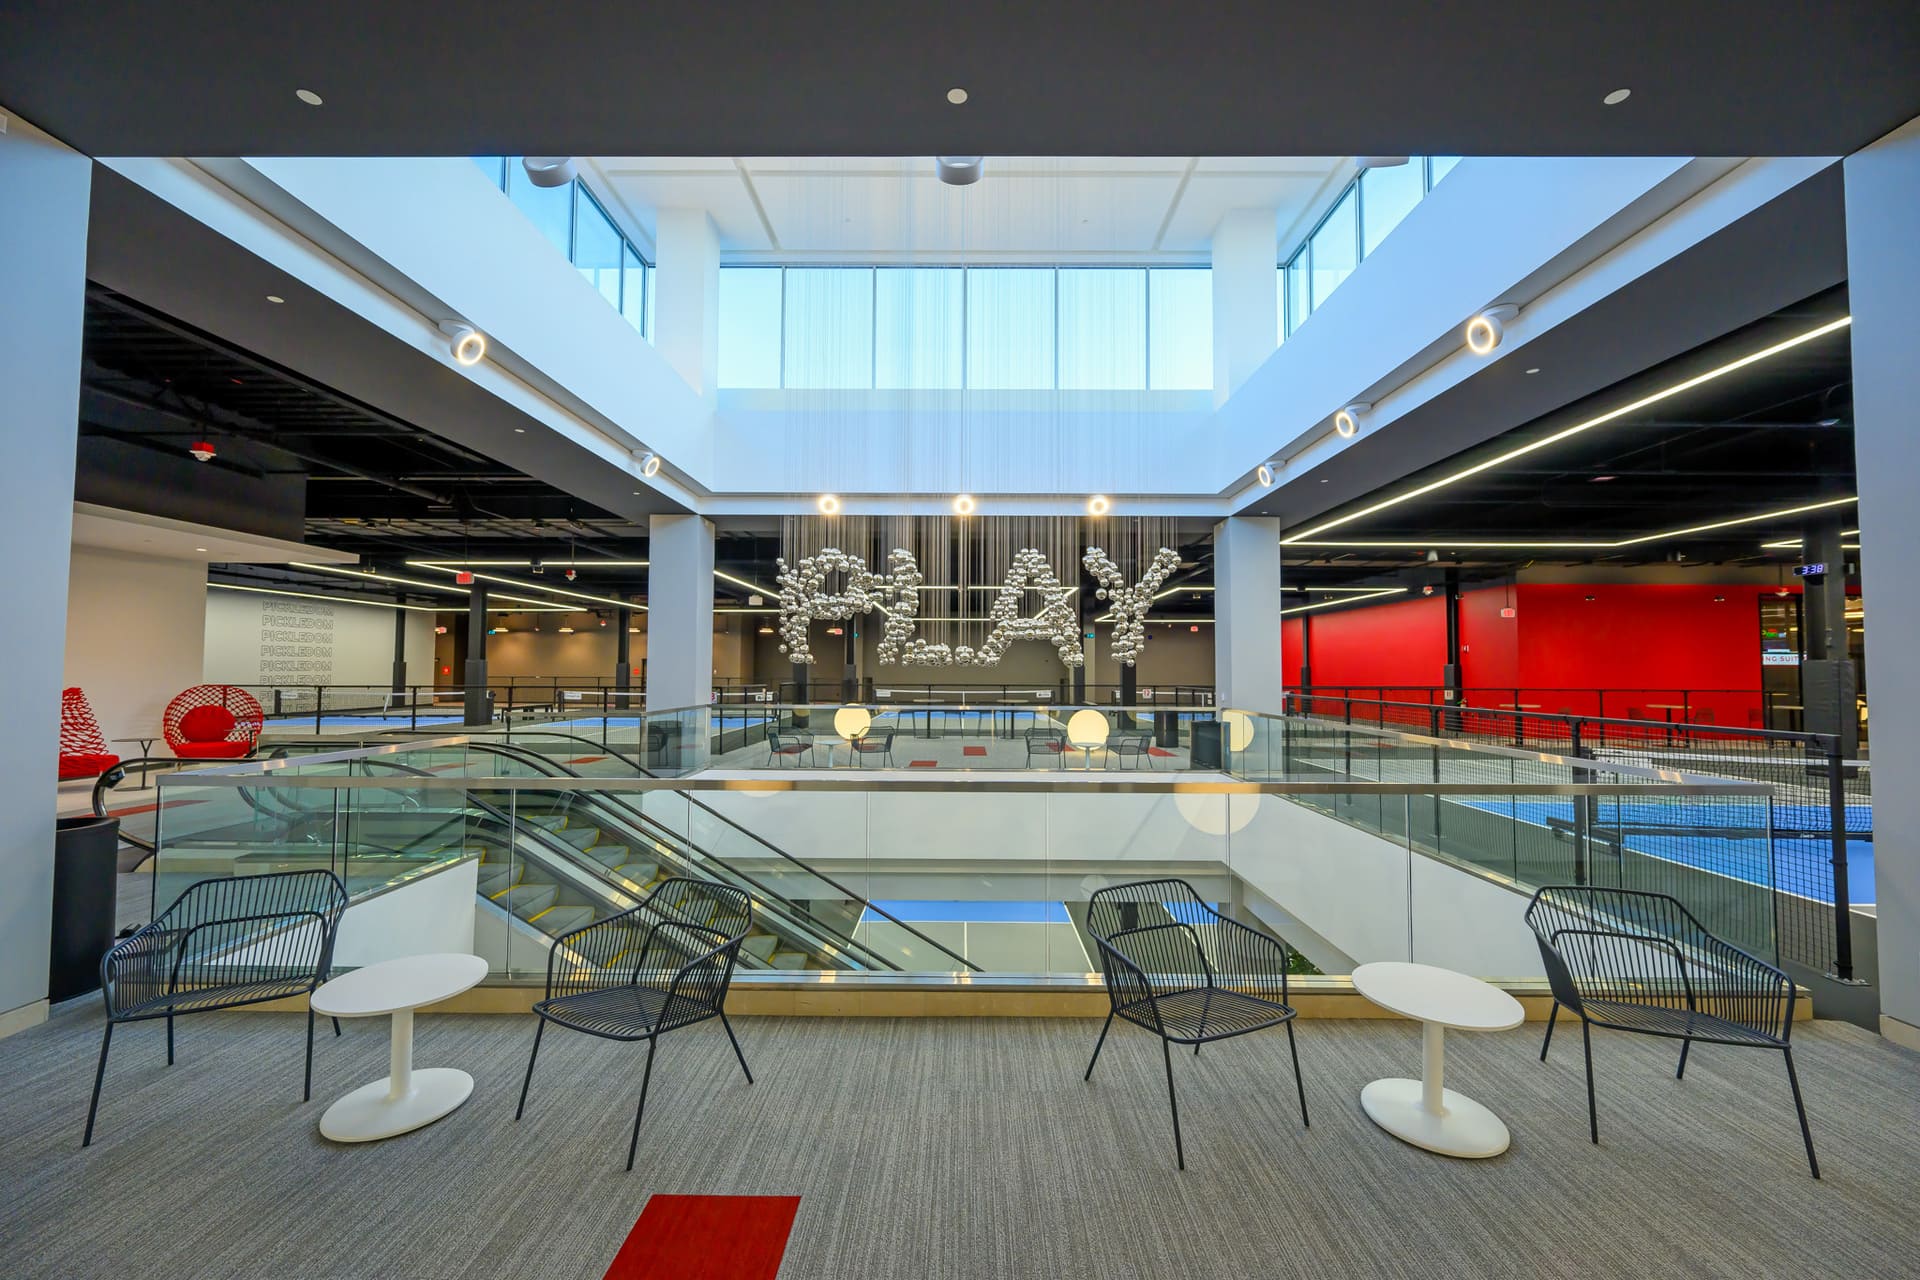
<point>213,722</point>
<point>83,748</point>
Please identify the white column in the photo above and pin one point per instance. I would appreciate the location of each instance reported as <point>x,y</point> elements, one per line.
<point>1246,297</point>
<point>1883,270</point>
<point>1246,614</point>
<point>686,303</point>
<point>43,259</point>
<point>679,612</point>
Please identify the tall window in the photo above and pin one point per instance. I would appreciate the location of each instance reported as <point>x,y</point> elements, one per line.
<point>576,224</point>
<point>1372,205</point>
<point>990,328</point>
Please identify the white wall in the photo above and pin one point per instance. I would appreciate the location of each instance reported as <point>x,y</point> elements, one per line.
<point>43,263</point>
<point>1359,893</point>
<point>253,638</point>
<point>136,636</point>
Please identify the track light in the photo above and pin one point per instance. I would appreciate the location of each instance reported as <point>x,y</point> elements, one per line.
<point>1347,421</point>
<point>963,504</point>
<point>1485,330</point>
<point>549,171</point>
<point>468,344</point>
<point>1099,504</point>
<point>1264,474</point>
<point>959,171</point>
<point>1380,162</point>
<point>829,505</point>
<point>202,450</point>
<point>650,465</point>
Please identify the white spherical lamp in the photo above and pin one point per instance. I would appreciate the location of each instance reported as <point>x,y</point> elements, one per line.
<point>852,723</point>
<point>1087,728</point>
<point>1238,730</point>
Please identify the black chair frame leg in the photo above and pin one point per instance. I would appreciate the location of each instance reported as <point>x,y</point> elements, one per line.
<point>1680,1072</point>
<point>1299,1082</point>
<point>1593,1111</point>
<point>1097,1045</point>
<point>1800,1108</point>
<point>306,1089</point>
<point>538,1031</point>
<point>99,1074</point>
<point>641,1110</point>
<point>1553,1016</point>
<point>1173,1104</point>
<point>735,1041</point>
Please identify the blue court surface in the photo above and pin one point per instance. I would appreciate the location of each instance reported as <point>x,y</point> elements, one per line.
<point>398,720</point>
<point>1801,848</point>
<point>971,911</point>
<point>720,724</point>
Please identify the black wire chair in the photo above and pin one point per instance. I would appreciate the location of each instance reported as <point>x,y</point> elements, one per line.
<point>876,742</point>
<point>660,966</point>
<point>1047,743</point>
<point>789,744</point>
<point>1640,962</point>
<point>1188,974</point>
<point>223,943</point>
<point>1130,745</point>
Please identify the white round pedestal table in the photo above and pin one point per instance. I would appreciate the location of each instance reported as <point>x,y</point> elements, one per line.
<point>1425,1112</point>
<point>405,1099</point>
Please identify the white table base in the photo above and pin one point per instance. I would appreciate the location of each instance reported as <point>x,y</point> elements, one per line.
<point>1427,1114</point>
<point>402,1101</point>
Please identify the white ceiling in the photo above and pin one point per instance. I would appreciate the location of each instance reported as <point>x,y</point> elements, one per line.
<point>874,209</point>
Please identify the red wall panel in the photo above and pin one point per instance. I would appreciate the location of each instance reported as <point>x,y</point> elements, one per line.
<point>1402,643</point>
<point>1489,643</point>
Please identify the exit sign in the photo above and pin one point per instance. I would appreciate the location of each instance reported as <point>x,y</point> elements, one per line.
<point>1810,570</point>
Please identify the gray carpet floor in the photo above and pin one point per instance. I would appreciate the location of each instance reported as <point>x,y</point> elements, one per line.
<point>956,1149</point>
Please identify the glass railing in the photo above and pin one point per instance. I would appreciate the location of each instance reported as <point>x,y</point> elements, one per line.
<point>481,844</point>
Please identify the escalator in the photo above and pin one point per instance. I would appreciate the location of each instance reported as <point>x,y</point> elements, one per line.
<point>549,862</point>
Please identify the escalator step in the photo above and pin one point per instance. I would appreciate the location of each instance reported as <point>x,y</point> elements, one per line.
<point>609,855</point>
<point>760,945</point>
<point>531,899</point>
<point>790,960</point>
<point>493,877</point>
<point>637,872</point>
<point>557,920</point>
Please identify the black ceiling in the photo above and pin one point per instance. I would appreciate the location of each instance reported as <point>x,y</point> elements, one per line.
<point>869,77</point>
<point>1775,435</point>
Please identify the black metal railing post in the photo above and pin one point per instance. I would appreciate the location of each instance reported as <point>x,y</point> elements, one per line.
<point>1842,906</point>
<point>318,701</point>
<point>1582,809</point>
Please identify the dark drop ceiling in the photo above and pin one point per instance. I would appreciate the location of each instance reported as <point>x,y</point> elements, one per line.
<point>871,77</point>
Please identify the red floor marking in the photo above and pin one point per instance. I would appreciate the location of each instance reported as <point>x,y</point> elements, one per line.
<point>974,751</point>
<point>133,809</point>
<point>707,1238</point>
<point>922,764</point>
<point>586,760</point>
<point>1155,751</point>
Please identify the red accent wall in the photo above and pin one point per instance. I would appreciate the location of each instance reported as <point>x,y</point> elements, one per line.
<point>1290,651</point>
<point>1651,644</point>
<point>1402,643</point>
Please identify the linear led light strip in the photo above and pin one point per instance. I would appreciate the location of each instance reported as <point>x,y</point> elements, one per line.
<point>537,606</point>
<point>538,586</point>
<point>1353,598</point>
<point>1579,546</point>
<point>595,563</point>
<point>1610,416</point>
<point>1793,544</point>
<point>309,595</point>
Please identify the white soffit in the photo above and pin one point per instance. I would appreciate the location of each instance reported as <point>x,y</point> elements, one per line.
<point>132,533</point>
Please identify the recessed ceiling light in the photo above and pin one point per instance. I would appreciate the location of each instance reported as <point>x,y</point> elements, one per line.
<point>275,298</point>
<point>1533,371</point>
<point>1829,422</point>
<point>828,504</point>
<point>308,96</point>
<point>1602,479</point>
<point>963,504</point>
<point>1617,97</point>
<point>199,548</point>
<point>1098,505</point>
<point>956,96</point>
<point>519,431</point>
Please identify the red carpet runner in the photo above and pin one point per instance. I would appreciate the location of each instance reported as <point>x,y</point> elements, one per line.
<point>707,1238</point>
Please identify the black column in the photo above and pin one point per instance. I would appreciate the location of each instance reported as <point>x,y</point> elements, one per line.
<point>1085,599</point>
<point>1827,679</point>
<point>850,670</point>
<point>1129,684</point>
<point>399,648</point>
<point>623,651</point>
<point>477,710</point>
<point>1450,676</point>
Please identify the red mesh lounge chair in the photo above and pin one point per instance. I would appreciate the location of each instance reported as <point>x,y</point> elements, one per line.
<point>213,722</point>
<point>83,748</point>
